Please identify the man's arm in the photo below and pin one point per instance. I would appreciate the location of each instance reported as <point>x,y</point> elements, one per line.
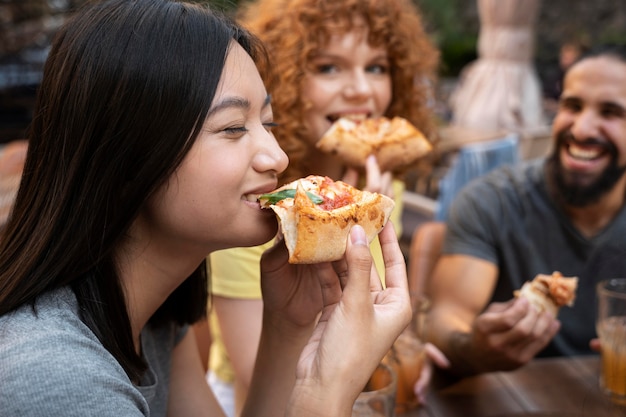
<point>459,290</point>
<point>477,337</point>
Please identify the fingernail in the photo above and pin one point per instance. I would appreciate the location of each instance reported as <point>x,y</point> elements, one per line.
<point>357,235</point>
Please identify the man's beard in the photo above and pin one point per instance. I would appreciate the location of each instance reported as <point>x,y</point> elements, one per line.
<point>572,189</point>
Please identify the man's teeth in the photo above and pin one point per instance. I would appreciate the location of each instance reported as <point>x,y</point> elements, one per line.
<point>583,153</point>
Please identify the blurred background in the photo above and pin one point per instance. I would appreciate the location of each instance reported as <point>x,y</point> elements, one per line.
<point>27,26</point>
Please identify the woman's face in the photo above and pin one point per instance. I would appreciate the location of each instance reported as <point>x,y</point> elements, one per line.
<point>347,77</point>
<point>210,202</point>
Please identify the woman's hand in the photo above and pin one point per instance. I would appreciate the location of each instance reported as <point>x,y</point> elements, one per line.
<point>292,292</point>
<point>293,298</point>
<point>375,180</point>
<point>359,323</point>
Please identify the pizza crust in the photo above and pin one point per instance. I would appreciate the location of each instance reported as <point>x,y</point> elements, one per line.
<point>396,143</point>
<point>549,292</point>
<point>314,235</point>
<point>538,299</point>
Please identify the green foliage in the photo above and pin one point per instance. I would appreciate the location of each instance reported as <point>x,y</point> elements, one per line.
<point>456,41</point>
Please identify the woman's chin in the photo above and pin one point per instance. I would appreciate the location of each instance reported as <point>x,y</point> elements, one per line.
<point>266,231</point>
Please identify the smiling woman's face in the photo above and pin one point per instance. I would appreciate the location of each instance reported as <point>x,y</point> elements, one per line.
<point>210,202</point>
<point>348,77</point>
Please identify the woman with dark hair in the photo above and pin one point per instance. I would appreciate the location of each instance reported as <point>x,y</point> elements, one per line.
<point>150,143</point>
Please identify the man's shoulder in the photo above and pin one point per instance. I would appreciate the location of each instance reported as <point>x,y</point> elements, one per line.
<point>511,176</point>
<point>508,183</point>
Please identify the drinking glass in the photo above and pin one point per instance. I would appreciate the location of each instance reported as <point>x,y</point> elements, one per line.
<point>407,356</point>
<point>611,328</point>
<point>378,398</point>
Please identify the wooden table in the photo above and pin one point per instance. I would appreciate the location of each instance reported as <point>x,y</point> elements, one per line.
<point>555,387</point>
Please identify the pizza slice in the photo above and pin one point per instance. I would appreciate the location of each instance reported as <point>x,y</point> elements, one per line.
<point>316,213</point>
<point>395,142</point>
<point>550,292</point>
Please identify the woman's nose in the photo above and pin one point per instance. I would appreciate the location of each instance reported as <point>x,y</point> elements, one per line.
<point>358,85</point>
<point>270,157</point>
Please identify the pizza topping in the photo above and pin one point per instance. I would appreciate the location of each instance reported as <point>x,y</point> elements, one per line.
<point>555,290</point>
<point>336,202</point>
<point>273,198</point>
<point>562,290</point>
<point>325,193</point>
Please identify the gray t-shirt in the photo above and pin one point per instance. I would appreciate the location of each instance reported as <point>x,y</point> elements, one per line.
<point>51,364</point>
<point>509,219</point>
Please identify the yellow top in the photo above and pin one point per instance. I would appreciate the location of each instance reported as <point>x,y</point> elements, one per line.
<point>235,273</point>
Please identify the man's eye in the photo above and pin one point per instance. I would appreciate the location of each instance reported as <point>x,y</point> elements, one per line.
<point>612,111</point>
<point>570,105</point>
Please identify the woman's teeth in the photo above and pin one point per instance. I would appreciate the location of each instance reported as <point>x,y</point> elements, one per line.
<point>354,117</point>
<point>252,197</point>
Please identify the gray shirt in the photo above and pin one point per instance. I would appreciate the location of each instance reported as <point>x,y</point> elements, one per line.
<point>51,364</point>
<point>508,218</point>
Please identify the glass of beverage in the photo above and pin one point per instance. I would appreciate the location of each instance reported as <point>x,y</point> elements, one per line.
<point>378,398</point>
<point>611,328</point>
<point>407,356</point>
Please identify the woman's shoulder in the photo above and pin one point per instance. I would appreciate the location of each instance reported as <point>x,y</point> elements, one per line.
<point>51,362</point>
<point>53,314</point>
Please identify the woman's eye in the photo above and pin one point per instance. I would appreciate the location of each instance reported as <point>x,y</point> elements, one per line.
<point>236,129</point>
<point>327,69</point>
<point>270,125</point>
<point>378,69</point>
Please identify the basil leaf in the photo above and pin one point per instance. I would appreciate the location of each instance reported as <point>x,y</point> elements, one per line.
<point>274,198</point>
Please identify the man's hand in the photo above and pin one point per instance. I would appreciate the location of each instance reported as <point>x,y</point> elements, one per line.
<point>508,335</point>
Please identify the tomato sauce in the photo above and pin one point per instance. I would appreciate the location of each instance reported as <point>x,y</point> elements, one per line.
<point>338,201</point>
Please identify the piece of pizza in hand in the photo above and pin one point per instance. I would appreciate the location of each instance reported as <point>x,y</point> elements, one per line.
<point>396,143</point>
<point>316,213</point>
<point>549,292</point>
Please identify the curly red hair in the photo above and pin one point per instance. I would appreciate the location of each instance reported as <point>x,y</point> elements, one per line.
<point>293,30</point>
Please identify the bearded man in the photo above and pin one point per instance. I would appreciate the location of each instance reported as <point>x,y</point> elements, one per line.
<point>565,213</point>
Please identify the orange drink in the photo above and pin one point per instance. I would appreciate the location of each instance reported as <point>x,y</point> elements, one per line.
<point>406,357</point>
<point>378,397</point>
<point>612,332</point>
<point>611,328</point>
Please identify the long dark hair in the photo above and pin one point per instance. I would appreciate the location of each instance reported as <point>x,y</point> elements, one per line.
<point>126,88</point>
